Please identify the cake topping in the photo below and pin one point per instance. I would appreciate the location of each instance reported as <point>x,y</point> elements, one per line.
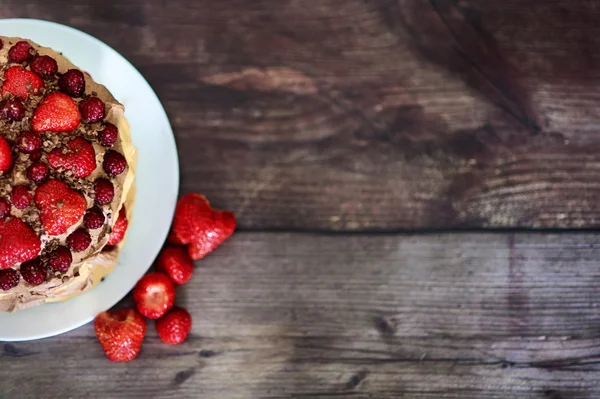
<point>108,135</point>
<point>45,66</point>
<point>72,82</point>
<point>77,155</point>
<point>20,52</point>
<point>93,219</point>
<point>56,113</point>
<point>4,208</point>
<point>60,259</point>
<point>20,197</point>
<point>38,172</point>
<point>60,206</point>
<point>79,240</point>
<point>20,82</point>
<point>6,158</point>
<point>92,109</point>
<point>119,229</point>
<point>104,192</point>
<point>9,278</point>
<point>114,163</point>
<point>33,272</point>
<point>29,142</point>
<point>18,243</point>
<point>12,110</point>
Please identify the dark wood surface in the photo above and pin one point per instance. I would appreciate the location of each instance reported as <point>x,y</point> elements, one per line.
<point>462,316</point>
<point>327,126</point>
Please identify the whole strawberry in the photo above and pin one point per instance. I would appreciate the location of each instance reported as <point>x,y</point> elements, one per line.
<point>200,226</point>
<point>154,295</point>
<point>174,327</point>
<point>120,334</point>
<point>78,155</point>
<point>56,113</point>
<point>176,263</point>
<point>60,206</point>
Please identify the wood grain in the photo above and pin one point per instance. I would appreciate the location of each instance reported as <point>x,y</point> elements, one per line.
<point>371,115</point>
<point>317,316</point>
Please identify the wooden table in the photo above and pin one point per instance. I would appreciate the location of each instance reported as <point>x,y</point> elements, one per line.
<point>387,161</point>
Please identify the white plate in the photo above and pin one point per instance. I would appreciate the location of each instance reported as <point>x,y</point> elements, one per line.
<point>157,179</point>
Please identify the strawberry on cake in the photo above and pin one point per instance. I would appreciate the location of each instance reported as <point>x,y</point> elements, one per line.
<point>66,177</point>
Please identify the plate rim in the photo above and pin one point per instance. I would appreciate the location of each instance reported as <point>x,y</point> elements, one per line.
<point>175,177</point>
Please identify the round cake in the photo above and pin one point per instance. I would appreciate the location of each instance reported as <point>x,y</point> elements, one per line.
<point>67,169</point>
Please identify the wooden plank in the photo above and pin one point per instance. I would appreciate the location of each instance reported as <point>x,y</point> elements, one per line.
<point>316,316</point>
<point>371,115</point>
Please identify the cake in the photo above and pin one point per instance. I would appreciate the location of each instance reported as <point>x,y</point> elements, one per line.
<point>67,168</point>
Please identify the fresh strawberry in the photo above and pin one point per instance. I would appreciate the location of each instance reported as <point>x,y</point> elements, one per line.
<point>18,243</point>
<point>120,334</point>
<point>20,82</point>
<point>119,229</point>
<point>77,155</point>
<point>200,226</point>
<point>6,158</point>
<point>56,113</point>
<point>176,263</point>
<point>154,295</point>
<point>174,327</point>
<point>60,206</point>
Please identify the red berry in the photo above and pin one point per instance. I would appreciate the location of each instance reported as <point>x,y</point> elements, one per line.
<point>105,191</point>
<point>6,158</point>
<point>56,113</point>
<point>108,135</point>
<point>60,206</point>
<point>29,142</point>
<point>174,327</point>
<point>9,278</point>
<point>4,208</point>
<point>60,259</point>
<point>94,219</point>
<point>33,271</point>
<point>120,334</point>
<point>38,172</point>
<point>79,240</point>
<point>35,156</point>
<point>78,155</point>
<point>72,83</point>
<point>12,110</point>
<point>114,163</point>
<point>44,65</point>
<point>176,263</point>
<point>154,295</point>
<point>119,229</point>
<point>20,52</point>
<point>92,109</point>
<point>21,197</point>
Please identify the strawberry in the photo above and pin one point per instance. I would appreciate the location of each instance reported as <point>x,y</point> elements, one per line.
<point>174,327</point>
<point>18,243</point>
<point>20,82</point>
<point>56,113</point>
<point>60,206</point>
<point>120,334</point>
<point>154,295</point>
<point>119,229</point>
<point>77,155</point>
<point>200,226</point>
<point>176,263</point>
<point>6,158</point>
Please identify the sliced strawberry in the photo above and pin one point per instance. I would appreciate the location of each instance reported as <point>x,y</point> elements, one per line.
<point>60,206</point>
<point>120,334</point>
<point>176,263</point>
<point>20,82</point>
<point>119,229</point>
<point>6,158</point>
<point>56,113</point>
<point>77,155</point>
<point>174,327</point>
<point>154,295</point>
<point>18,243</point>
<point>200,226</point>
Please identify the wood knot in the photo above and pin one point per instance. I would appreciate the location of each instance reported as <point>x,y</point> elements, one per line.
<point>206,353</point>
<point>183,376</point>
<point>356,379</point>
<point>384,326</point>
